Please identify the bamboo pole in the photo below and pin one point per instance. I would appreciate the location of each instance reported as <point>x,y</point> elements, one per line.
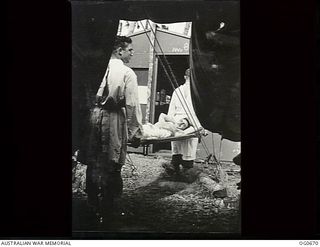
<point>150,92</point>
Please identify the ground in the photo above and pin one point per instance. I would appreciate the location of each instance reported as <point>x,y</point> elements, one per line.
<point>154,201</point>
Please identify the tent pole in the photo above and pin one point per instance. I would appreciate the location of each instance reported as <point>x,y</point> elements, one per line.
<point>151,86</point>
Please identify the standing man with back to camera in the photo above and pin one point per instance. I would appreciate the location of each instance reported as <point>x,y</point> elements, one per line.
<point>115,120</point>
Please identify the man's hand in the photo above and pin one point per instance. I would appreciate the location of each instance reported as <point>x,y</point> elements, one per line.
<point>135,138</point>
<point>134,142</point>
<point>204,132</point>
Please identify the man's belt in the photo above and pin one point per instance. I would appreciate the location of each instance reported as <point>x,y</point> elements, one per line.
<point>112,105</point>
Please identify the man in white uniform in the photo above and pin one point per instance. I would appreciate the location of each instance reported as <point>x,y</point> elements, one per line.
<point>181,109</point>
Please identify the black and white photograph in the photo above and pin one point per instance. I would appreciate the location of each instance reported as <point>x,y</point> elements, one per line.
<point>160,120</point>
<point>156,136</point>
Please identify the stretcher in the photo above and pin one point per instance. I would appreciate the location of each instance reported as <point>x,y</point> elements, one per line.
<point>147,141</point>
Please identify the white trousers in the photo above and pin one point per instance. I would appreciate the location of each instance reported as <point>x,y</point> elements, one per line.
<point>188,148</point>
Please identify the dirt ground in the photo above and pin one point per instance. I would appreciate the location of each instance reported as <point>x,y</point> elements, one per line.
<point>154,201</point>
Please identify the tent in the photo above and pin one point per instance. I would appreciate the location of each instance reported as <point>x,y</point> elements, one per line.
<point>214,55</point>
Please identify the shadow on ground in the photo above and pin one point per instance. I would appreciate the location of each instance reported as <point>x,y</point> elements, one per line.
<point>152,201</point>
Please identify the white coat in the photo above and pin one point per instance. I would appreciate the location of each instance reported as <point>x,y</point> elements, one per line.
<point>181,107</point>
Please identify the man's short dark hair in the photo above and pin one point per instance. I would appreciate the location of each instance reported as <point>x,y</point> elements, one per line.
<point>121,41</point>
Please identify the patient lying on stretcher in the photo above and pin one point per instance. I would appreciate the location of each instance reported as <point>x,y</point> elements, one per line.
<point>165,127</point>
